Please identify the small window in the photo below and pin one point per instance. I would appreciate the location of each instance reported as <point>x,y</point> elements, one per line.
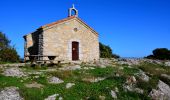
<point>75,29</point>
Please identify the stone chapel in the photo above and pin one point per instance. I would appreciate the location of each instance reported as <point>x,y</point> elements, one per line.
<point>70,39</point>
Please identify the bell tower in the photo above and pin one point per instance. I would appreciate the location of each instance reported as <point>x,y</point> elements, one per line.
<point>73,12</point>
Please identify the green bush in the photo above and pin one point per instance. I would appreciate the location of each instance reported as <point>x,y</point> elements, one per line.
<point>9,55</point>
<point>160,53</point>
<point>4,41</point>
<point>106,52</point>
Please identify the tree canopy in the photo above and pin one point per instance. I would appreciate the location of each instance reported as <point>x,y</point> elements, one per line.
<point>4,41</point>
<point>160,53</point>
<point>106,51</point>
<point>7,52</point>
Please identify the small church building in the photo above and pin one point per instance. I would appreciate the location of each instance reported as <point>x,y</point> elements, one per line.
<point>69,39</point>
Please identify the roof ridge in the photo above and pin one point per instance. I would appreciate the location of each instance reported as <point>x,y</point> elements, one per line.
<point>59,21</point>
<point>63,20</point>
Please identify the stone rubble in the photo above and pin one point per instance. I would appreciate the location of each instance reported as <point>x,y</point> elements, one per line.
<point>132,89</point>
<point>69,85</point>
<point>101,63</point>
<point>131,80</point>
<point>14,72</point>
<point>129,61</point>
<point>143,76</point>
<point>162,92</point>
<point>55,80</point>
<point>137,61</point>
<point>10,93</point>
<point>93,79</point>
<point>130,85</point>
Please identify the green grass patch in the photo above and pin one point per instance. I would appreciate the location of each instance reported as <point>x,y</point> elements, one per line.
<point>130,71</point>
<point>102,72</point>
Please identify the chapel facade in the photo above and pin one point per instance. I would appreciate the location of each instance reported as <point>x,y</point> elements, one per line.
<point>69,39</point>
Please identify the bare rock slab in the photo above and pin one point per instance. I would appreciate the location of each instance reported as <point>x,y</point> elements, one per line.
<point>75,67</point>
<point>14,72</point>
<point>113,94</point>
<point>143,76</point>
<point>69,85</point>
<point>10,93</point>
<point>55,80</point>
<point>167,63</point>
<point>162,93</point>
<point>94,79</point>
<point>34,85</point>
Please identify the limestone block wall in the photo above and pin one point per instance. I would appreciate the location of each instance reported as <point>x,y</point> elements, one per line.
<point>31,44</point>
<point>57,40</point>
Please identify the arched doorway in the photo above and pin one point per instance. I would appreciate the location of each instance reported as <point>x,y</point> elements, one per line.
<point>75,50</point>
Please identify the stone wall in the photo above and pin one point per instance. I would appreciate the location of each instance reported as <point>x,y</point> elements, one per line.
<point>31,44</point>
<point>57,40</point>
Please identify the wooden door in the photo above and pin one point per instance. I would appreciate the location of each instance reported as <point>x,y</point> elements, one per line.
<point>75,50</point>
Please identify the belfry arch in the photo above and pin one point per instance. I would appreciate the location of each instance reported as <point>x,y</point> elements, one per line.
<point>73,11</point>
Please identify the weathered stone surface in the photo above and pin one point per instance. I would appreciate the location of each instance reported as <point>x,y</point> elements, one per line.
<point>157,95</point>
<point>129,61</point>
<point>116,89</point>
<point>13,65</point>
<point>103,62</point>
<point>60,98</point>
<point>14,72</point>
<point>132,88</point>
<point>113,94</point>
<point>52,97</point>
<point>131,80</point>
<point>102,97</point>
<point>143,76</point>
<point>69,85</point>
<point>166,76</point>
<point>57,40</point>
<point>34,85</point>
<point>162,93</point>
<point>167,63</point>
<point>55,80</point>
<point>87,68</point>
<point>93,79</point>
<point>10,93</point>
<point>137,61</point>
<point>138,90</point>
<point>75,67</point>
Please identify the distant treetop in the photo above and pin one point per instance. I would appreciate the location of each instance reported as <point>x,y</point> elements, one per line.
<point>160,53</point>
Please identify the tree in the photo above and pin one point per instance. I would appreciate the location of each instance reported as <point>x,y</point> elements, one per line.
<point>160,53</point>
<point>106,51</point>
<point>7,53</point>
<point>4,42</point>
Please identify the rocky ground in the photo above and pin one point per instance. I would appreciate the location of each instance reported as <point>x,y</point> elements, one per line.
<point>107,79</point>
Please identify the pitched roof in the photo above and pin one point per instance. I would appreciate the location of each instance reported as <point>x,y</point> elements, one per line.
<point>66,19</point>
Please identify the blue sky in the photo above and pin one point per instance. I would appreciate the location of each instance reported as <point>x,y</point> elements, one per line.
<point>132,28</point>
